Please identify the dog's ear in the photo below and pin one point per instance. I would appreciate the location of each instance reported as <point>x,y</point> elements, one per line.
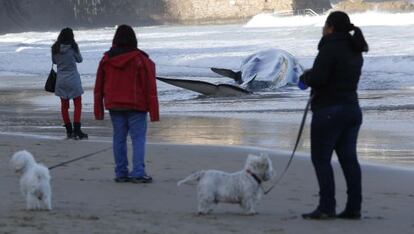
<point>251,161</point>
<point>252,157</point>
<point>264,155</point>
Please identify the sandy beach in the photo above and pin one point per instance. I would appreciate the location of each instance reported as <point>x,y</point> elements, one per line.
<point>87,200</point>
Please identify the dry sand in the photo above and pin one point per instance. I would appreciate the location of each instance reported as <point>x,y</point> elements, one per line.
<point>86,200</point>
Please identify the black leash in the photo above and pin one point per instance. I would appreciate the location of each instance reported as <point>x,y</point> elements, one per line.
<point>302,124</point>
<point>79,158</point>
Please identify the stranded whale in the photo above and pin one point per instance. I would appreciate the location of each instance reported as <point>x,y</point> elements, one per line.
<point>266,70</point>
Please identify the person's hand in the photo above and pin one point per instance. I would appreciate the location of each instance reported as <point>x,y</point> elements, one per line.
<point>99,115</point>
<point>302,80</point>
<point>302,85</point>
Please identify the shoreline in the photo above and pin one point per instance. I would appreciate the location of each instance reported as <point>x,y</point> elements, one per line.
<point>384,139</point>
<point>300,155</point>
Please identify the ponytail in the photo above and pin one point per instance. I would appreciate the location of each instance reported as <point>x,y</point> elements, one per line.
<point>340,21</point>
<point>358,40</point>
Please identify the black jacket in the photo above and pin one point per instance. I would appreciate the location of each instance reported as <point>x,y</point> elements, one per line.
<point>335,73</point>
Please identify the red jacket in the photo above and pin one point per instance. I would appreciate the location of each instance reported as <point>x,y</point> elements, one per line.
<point>126,81</point>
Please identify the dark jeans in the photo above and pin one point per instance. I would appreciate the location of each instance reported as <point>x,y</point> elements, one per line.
<point>336,128</point>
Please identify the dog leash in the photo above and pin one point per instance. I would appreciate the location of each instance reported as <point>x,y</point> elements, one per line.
<point>79,158</point>
<point>302,124</point>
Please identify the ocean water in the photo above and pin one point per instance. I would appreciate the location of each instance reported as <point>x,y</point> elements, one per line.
<point>188,52</point>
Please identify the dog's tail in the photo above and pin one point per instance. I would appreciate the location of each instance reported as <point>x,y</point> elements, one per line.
<point>22,160</point>
<point>196,176</point>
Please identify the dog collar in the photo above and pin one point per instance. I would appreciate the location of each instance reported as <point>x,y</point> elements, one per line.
<point>256,178</point>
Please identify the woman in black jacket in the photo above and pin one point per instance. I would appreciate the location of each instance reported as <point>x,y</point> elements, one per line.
<point>337,116</point>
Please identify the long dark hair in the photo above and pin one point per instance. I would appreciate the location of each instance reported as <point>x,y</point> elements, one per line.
<point>65,37</point>
<point>341,23</point>
<point>125,37</point>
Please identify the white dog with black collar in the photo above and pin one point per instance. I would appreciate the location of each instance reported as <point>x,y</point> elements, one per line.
<point>242,187</point>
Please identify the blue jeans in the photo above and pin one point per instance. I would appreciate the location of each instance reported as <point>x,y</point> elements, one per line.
<point>136,124</point>
<point>336,128</point>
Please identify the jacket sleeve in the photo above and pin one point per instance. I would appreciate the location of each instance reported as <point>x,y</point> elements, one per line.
<point>98,93</point>
<point>321,70</point>
<point>152,97</point>
<point>53,60</point>
<point>78,57</point>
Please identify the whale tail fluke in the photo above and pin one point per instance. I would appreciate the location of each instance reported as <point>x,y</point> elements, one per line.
<point>236,76</point>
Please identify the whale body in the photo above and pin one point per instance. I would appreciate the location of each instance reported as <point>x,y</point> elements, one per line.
<point>265,70</point>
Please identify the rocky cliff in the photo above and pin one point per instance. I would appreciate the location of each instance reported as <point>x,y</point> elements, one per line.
<point>381,5</point>
<point>206,11</point>
<point>23,15</point>
<point>29,15</point>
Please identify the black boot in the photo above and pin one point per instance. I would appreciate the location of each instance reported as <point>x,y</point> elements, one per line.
<point>69,130</point>
<point>78,134</point>
<point>317,214</point>
<point>348,214</point>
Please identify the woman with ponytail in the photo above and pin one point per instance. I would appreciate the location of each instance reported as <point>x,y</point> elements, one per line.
<point>337,116</point>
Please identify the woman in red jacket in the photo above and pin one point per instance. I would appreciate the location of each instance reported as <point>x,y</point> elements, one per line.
<point>126,86</point>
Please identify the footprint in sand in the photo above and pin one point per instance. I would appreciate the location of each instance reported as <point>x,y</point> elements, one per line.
<point>94,168</point>
<point>374,217</point>
<point>293,199</point>
<point>391,194</point>
<point>280,230</point>
<point>293,217</point>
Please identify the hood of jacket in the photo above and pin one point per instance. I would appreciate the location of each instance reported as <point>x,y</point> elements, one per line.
<point>64,48</point>
<point>119,57</point>
<point>334,37</point>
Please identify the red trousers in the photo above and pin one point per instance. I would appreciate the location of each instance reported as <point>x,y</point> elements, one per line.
<point>77,102</point>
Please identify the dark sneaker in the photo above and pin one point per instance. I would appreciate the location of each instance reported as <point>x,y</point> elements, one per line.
<point>318,215</point>
<point>349,215</point>
<point>123,179</point>
<point>141,180</point>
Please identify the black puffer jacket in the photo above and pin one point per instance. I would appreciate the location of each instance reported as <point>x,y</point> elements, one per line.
<point>335,73</point>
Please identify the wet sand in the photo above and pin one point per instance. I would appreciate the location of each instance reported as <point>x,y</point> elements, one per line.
<point>385,138</point>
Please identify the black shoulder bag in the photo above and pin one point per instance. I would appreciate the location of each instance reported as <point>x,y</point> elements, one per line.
<point>51,81</point>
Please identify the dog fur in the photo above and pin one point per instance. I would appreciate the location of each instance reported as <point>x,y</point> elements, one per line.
<point>34,181</point>
<point>239,187</point>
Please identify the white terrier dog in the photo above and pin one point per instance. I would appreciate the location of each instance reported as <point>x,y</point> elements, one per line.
<point>34,181</point>
<point>242,187</point>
